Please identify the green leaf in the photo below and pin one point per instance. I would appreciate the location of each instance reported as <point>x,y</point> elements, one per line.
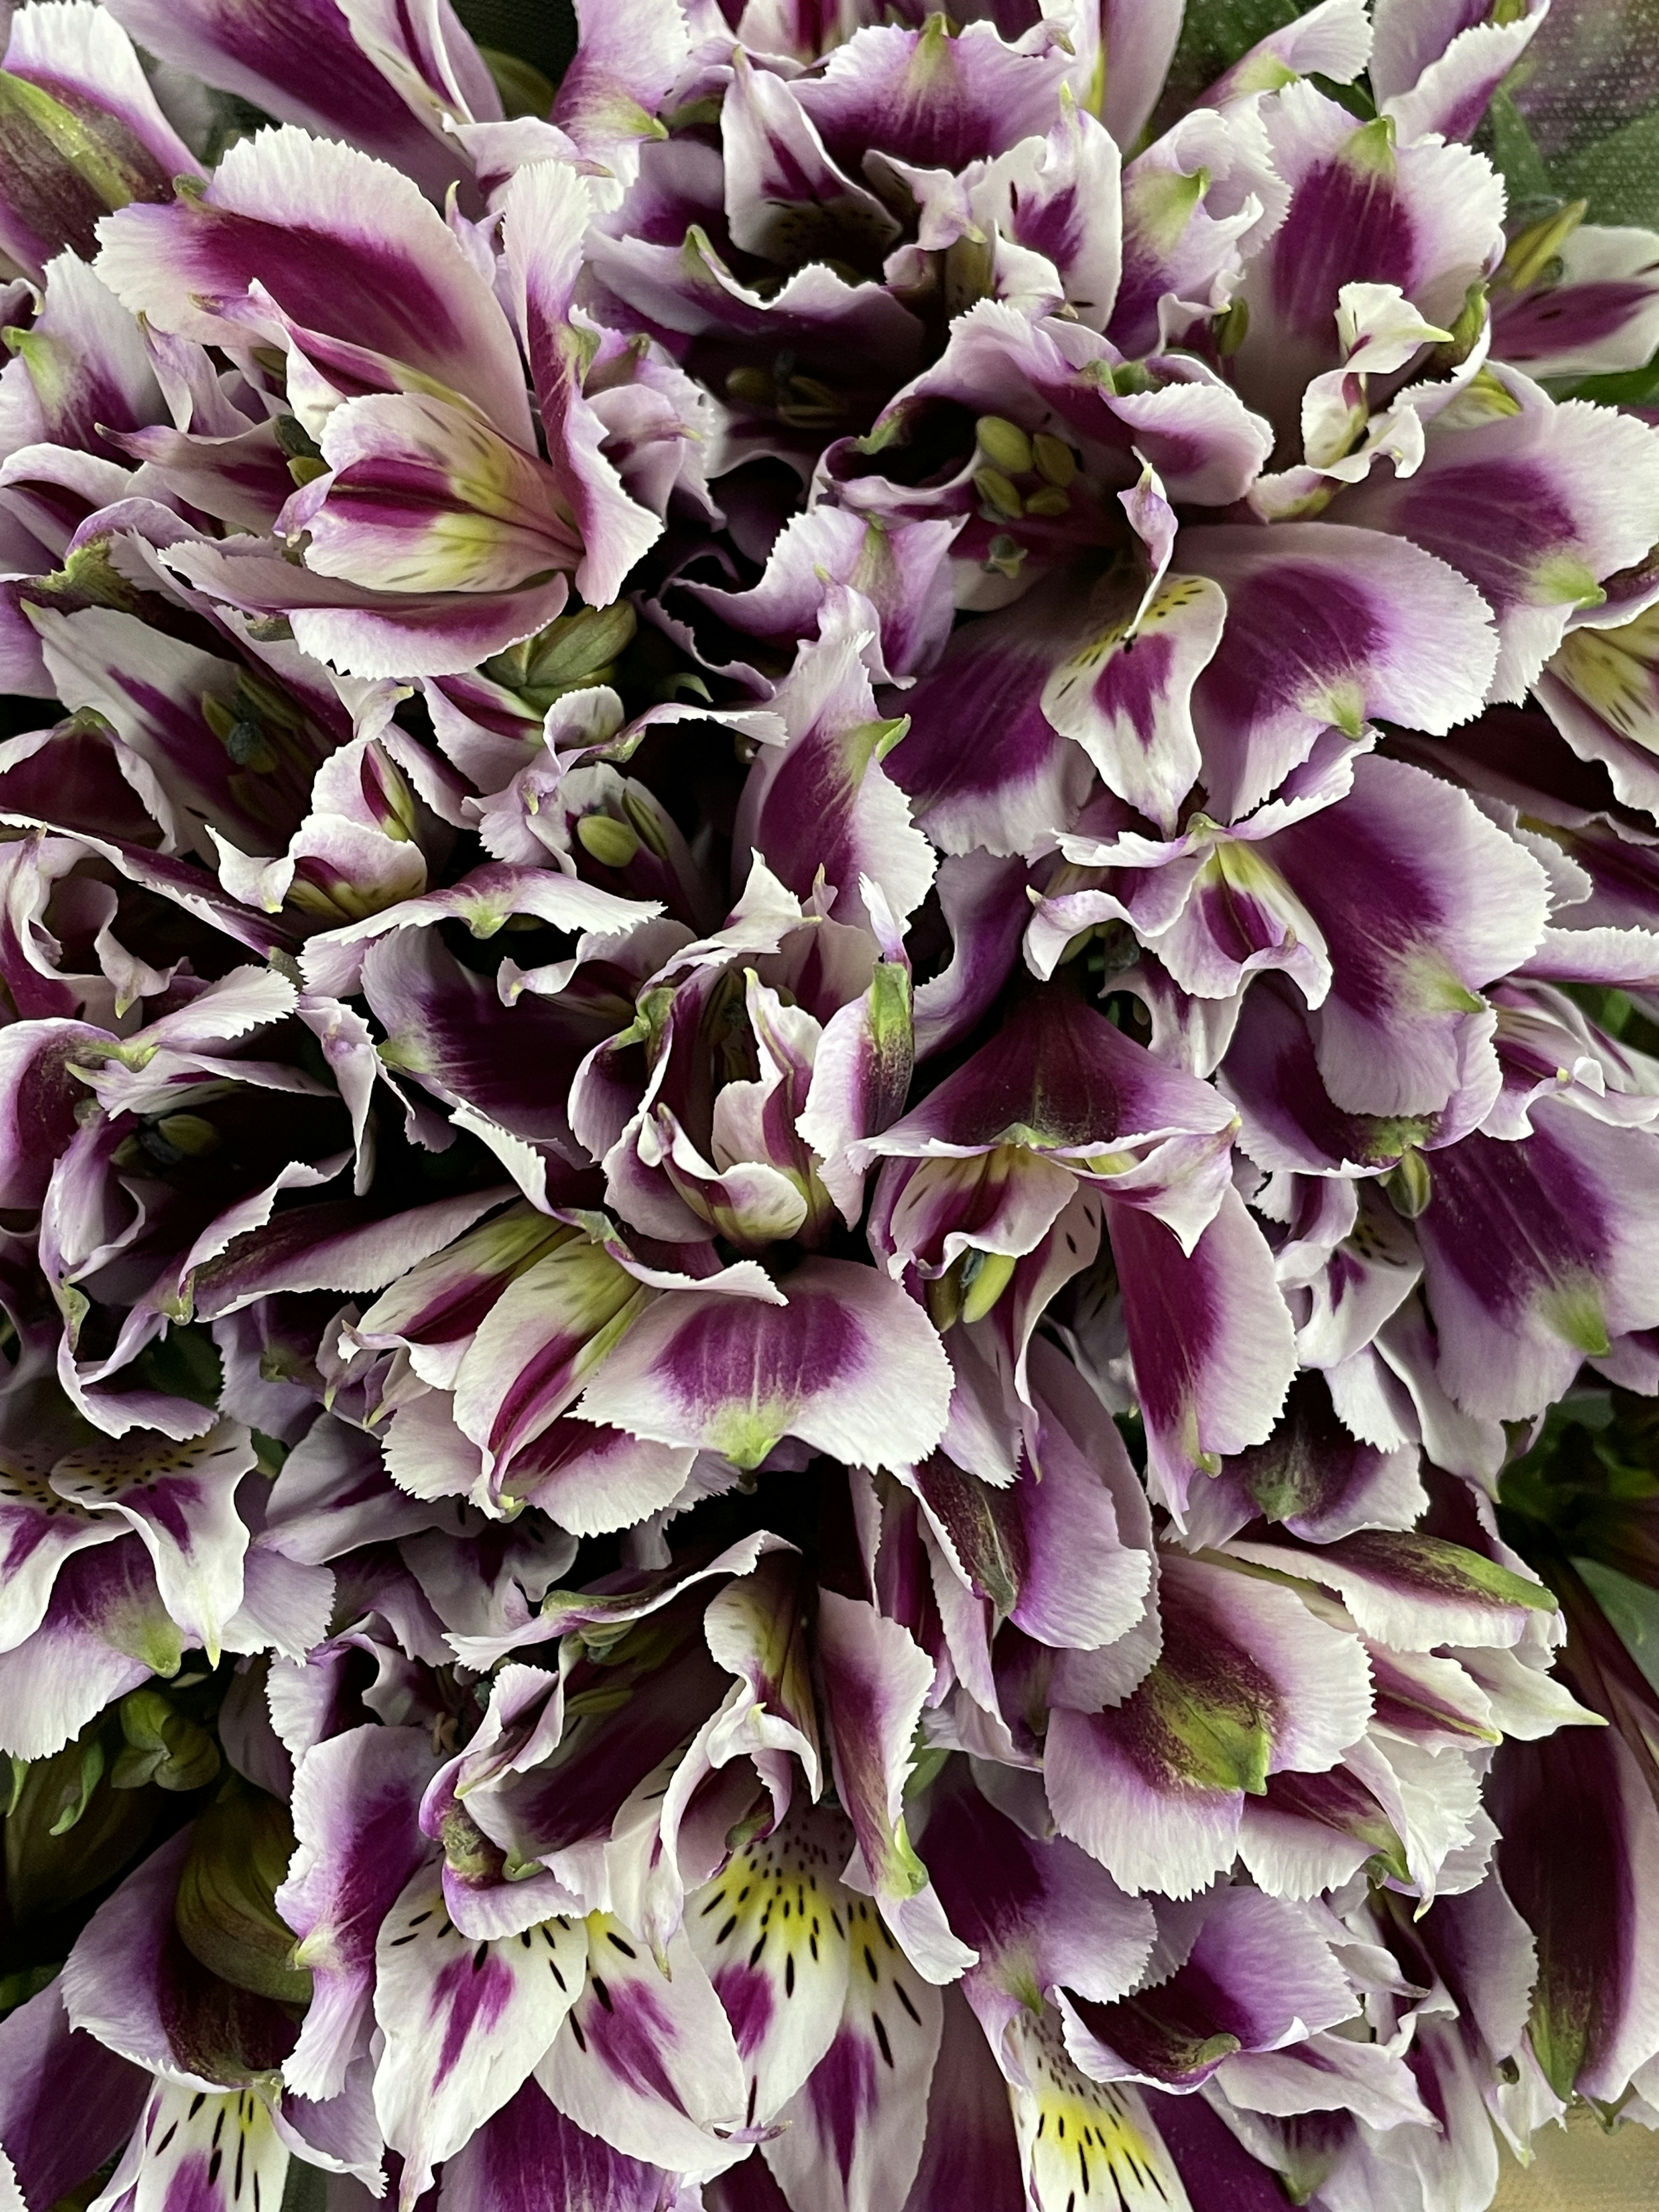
<point>1515,153</point>
<point>1626,387</point>
<point>540,32</point>
<point>1633,1609</point>
<point>1620,176</point>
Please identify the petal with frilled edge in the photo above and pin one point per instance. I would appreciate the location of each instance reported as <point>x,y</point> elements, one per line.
<point>854,2135</point>
<point>1434,65</point>
<point>823,801</point>
<point>850,1365</point>
<point>532,1352</point>
<point>784,196</point>
<point>628,57</point>
<point>529,2153</point>
<point>936,99</point>
<point>1259,1975</point>
<point>1537,1253</point>
<point>647,2060</point>
<point>1248,1683</point>
<point>83,362</point>
<point>465,2022</point>
<point>1420,899</point>
<point>1018,1548</point>
<point>1210,1336</point>
<point>1312,1476</point>
<point>486,898</point>
<point>639,1593</point>
<point>158,690</point>
<point>301,64</point>
<point>1536,503</point>
<point>1040,1913</point>
<point>341,244</point>
<point>1061,1086</point>
<point>1197,202</point>
<point>1327,628</point>
<point>1424,216</point>
<point>181,1499</point>
<point>448,1029</point>
<point>1011,792</point>
<point>354,1805</point>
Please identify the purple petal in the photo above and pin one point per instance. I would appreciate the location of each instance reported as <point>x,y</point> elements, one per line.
<point>1249,1683</point>
<point>850,1365</point>
<point>1259,1974</point>
<point>529,2154</point>
<point>465,2022</point>
<point>66,2103</point>
<point>1040,1914</point>
<point>340,243</point>
<point>1210,1337</point>
<point>181,1499</point>
<point>1535,505</point>
<point>1325,627</point>
<point>1535,1253</point>
<point>358,1842</point>
<point>647,2060</point>
<point>853,2134</point>
<point>106,1632</point>
<point>781,1978</point>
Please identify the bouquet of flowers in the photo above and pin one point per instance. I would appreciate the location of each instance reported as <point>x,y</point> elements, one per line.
<point>829,1102</point>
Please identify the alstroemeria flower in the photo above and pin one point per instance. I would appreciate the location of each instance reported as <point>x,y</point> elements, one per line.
<point>829,1129</point>
<point>436,533</point>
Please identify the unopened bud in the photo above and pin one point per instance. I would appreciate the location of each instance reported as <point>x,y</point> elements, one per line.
<point>163,1746</point>
<point>1410,1187</point>
<point>224,1909</point>
<point>1231,327</point>
<point>985,1277</point>
<point>611,843</point>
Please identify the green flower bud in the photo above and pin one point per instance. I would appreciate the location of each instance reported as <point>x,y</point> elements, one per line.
<point>224,1910</point>
<point>611,843</point>
<point>163,1746</point>
<point>68,1831</point>
<point>573,652</point>
<point>1410,1187</point>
